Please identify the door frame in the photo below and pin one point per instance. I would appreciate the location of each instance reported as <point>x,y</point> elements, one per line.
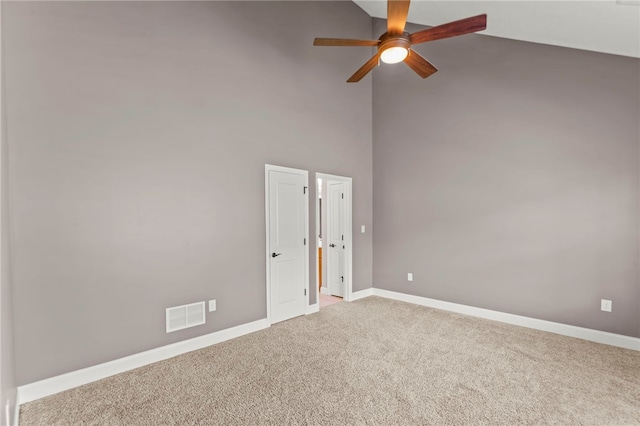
<point>348,232</point>
<point>305,173</point>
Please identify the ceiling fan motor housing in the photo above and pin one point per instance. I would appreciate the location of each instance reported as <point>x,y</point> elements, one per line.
<point>387,41</point>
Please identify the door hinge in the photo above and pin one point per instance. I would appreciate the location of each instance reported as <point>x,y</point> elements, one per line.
<point>343,247</point>
<point>343,195</point>
<point>342,279</point>
<point>305,241</point>
<point>305,291</point>
<point>343,238</point>
<point>304,190</point>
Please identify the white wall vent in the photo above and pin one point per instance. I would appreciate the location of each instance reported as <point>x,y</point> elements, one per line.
<point>185,316</point>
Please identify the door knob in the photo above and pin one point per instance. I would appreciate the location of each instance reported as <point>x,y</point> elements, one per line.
<point>275,254</point>
<point>332,245</point>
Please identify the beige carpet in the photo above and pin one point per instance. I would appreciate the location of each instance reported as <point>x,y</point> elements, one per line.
<point>374,361</point>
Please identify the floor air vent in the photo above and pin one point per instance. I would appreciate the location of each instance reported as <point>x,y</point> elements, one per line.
<point>185,316</point>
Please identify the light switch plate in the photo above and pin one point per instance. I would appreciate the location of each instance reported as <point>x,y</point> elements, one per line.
<point>212,305</point>
<point>362,229</point>
<point>410,276</point>
<point>605,305</point>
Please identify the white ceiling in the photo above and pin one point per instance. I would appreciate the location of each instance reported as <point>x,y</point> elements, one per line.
<point>609,26</point>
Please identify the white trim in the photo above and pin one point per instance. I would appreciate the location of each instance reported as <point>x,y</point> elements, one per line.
<point>349,240</point>
<point>348,288</point>
<point>312,309</point>
<point>597,336</point>
<point>266,250</point>
<point>305,173</point>
<point>325,290</point>
<point>317,239</point>
<point>16,411</point>
<point>308,240</point>
<point>42,388</point>
<point>361,294</point>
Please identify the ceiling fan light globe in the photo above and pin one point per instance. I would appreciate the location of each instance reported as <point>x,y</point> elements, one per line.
<point>393,55</point>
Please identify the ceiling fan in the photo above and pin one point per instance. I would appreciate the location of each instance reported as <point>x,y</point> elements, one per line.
<point>395,45</point>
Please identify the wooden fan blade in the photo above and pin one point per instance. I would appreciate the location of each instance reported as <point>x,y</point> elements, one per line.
<point>420,65</point>
<point>365,69</point>
<point>344,42</point>
<point>397,11</point>
<point>456,28</point>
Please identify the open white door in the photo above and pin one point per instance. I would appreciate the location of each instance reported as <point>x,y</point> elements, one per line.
<point>287,254</point>
<point>338,197</point>
<point>335,248</point>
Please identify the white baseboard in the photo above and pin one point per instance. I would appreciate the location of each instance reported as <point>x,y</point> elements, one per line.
<point>42,388</point>
<point>312,309</point>
<point>597,336</point>
<point>325,290</point>
<point>361,294</point>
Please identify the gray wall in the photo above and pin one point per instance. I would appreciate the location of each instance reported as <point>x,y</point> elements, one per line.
<point>7,365</point>
<point>138,135</point>
<point>509,180</point>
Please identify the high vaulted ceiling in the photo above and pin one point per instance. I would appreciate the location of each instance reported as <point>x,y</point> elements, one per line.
<point>609,26</point>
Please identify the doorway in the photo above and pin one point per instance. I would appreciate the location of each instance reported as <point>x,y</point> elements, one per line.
<point>287,254</point>
<point>334,238</point>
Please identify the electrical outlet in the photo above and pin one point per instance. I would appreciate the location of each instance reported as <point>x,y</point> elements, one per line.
<point>606,305</point>
<point>212,305</point>
<point>410,276</point>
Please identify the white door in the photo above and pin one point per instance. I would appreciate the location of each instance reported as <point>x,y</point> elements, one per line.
<point>336,243</point>
<point>287,244</point>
